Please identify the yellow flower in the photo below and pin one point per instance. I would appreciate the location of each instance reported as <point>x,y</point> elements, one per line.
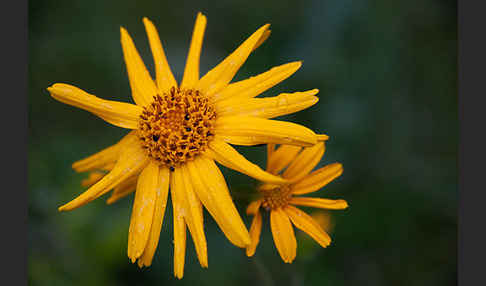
<point>279,200</point>
<point>178,132</point>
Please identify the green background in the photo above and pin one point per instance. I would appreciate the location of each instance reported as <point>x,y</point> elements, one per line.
<point>386,71</point>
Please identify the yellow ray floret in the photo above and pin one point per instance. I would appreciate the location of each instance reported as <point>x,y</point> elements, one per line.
<point>143,211</point>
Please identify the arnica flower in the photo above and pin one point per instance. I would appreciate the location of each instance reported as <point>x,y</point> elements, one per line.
<point>178,132</point>
<point>295,164</point>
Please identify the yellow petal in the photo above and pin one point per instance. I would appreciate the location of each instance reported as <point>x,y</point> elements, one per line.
<point>255,230</point>
<point>120,114</point>
<point>179,227</point>
<point>211,189</point>
<point>162,192</point>
<point>283,235</point>
<point>105,156</point>
<point>217,78</point>
<point>194,217</point>
<point>322,137</point>
<point>227,156</point>
<point>163,74</point>
<point>318,179</point>
<point>270,150</point>
<point>319,203</point>
<point>269,107</point>
<point>304,222</point>
<point>304,162</point>
<point>262,39</point>
<point>253,207</point>
<point>264,130</point>
<point>142,84</point>
<point>123,189</point>
<point>282,157</point>
<point>191,71</point>
<point>132,160</point>
<point>255,85</point>
<point>93,178</point>
<point>143,211</point>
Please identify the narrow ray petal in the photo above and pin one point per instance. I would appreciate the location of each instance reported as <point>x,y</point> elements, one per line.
<point>217,78</point>
<point>282,157</point>
<point>191,71</point>
<point>162,192</point>
<point>262,39</point>
<point>306,223</point>
<point>283,235</point>
<point>227,156</point>
<point>319,203</point>
<point>265,130</point>
<point>131,161</point>
<point>269,107</point>
<point>179,226</point>
<point>255,230</point>
<point>142,84</point>
<point>304,162</point>
<point>142,211</point>
<point>92,179</point>
<point>120,114</point>
<point>211,189</point>
<point>194,217</point>
<point>123,189</point>
<point>255,85</point>
<point>163,74</point>
<point>253,207</point>
<point>105,156</point>
<point>318,179</point>
<point>270,150</point>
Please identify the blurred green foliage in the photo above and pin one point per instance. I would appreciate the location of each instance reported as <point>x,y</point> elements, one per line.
<point>386,71</point>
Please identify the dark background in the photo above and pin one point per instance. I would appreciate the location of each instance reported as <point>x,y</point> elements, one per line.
<point>386,71</point>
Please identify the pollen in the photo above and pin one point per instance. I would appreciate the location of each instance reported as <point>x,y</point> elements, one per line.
<point>176,126</point>
<point>276,197</point>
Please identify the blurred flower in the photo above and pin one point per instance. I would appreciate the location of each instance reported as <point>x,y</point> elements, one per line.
<point>279,200</point>
<point>178,131</point>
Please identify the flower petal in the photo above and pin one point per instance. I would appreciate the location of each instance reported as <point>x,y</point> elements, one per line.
<point>191,71</point>
<point>161,192</point>
<point>255,231</point>
<point>120,114</point>
<point>264,130</point>
<point>319,203</point>
<point>93,178</point>
<point>132,160</point>
<point>318,179</point>
<point>142,211</point>
<point>304,162</point>
<point>163,74</point>
<point>211,189</point>
<point>269,107</point>
<point>253,207</point>
<point>105,156</point>
<point>283,235</point>
<point>194,218</point>
<point>227,156</point>
<point>255,85</point>
<point>217,78</point>
<point>262,39</point>
<point>306,223</point>
<point>142,84</point>
<point>179,225</point>
<point>282,157</point>
<point>123,189</point>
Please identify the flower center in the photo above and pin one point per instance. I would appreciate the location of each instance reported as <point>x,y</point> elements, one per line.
<point>276,197</point>
<point>176,126</point>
